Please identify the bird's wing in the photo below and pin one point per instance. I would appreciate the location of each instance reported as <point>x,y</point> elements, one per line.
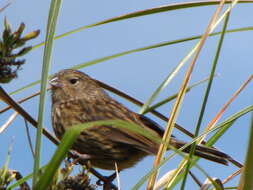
<point>134,139</point>
<point>109,109</point>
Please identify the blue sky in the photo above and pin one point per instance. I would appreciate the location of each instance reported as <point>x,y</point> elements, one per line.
<point>137,74</point>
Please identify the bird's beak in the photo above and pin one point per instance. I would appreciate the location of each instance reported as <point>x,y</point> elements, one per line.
<point>55,82</point>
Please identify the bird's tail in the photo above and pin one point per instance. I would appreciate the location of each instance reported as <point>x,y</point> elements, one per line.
<point>203,152</point>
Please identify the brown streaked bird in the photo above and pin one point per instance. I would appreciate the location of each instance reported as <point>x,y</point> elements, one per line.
<point>77,98</point>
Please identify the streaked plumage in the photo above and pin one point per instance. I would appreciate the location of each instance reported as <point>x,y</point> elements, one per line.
<point>77,98</point>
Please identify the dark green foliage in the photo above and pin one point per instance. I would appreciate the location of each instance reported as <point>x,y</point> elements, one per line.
<point>11,47</point>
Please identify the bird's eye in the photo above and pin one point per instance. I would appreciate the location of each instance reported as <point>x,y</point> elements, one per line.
<point>73,81</point>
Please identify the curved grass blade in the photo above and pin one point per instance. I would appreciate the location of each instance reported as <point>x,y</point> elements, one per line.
<point>69,137</point>
<point>146,12</point>
<point>106,58</point>
<point>246,180</point>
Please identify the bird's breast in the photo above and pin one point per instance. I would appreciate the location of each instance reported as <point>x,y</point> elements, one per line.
<point>66,115</point>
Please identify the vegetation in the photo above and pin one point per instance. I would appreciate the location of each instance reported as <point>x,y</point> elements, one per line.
<point>58,172</point>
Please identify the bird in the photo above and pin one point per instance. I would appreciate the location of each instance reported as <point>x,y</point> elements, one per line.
<point>77,99</point>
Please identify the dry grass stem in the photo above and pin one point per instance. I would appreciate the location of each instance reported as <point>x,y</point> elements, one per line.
<point>8,122</point>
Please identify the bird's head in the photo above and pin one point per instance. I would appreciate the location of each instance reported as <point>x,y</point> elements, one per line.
<point>68,84</point>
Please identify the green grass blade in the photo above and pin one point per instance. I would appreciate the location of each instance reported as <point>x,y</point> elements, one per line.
<point>231,188</point>
<point>25,87</point>
<point>56,160</point>
<point>172,97</point>
<point>146,12</point>
<point>212,140</point>
<point>106,58</point>
<point>69,138</point>
<point>204,103</point>
<point>19,182</point>
<point>246,180</point>
<point>51,25</point>
<point>162,44</point>
<point>166,81</point>
<point>24,179</point>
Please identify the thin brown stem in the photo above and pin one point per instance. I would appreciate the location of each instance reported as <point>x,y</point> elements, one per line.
<point>230,177</point>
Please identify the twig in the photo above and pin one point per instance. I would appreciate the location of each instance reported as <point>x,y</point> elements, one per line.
<point>8,100</point>
<point>21,101</point>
